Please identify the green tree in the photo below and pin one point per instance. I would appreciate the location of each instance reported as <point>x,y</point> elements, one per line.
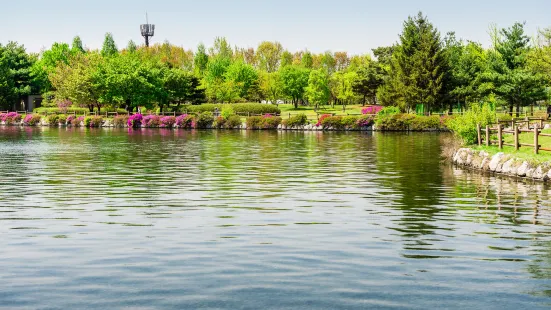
<point>47,63</point>
<point>19,64</point>
<point>201,59</point>
<point>109,47</point>
<point>243,76</point>
<point>286,59</point>
<point>77,46</point>
<point>417,67</point>
<point>369,78</point>
<point>7,87</point>
<point>131,47</point>
<point>514,80</point>
<point>268,55</point>
<point>342,85</point>
<point>294,80</point>
<point>317,90</point>
<point>307,60</point>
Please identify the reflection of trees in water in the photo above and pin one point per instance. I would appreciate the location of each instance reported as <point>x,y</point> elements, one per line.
<point>410,165</point>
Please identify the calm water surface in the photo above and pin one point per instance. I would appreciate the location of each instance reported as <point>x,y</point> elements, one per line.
<point>98,219</point>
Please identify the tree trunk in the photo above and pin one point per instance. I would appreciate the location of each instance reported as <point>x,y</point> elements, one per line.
<point>511,109</point>
<point>518,109</point>
<point>99,107</point>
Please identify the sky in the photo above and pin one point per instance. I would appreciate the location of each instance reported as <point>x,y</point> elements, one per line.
<point>355,26</point>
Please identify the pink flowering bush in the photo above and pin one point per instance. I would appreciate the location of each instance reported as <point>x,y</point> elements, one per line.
<point>93,121</point>
<point>70,119</point>
<point>64,105</point>
<point>184,121</point>
<point>11,117</point>
<point>374,109</point>
<point>32,119</point>
<point>76,122</point>
<point>151,121</point>
<point>364,121</point>
<point>135,120</point>
<point>168,121</point>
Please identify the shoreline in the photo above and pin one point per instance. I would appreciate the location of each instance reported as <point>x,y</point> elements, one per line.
<point>501,164</point>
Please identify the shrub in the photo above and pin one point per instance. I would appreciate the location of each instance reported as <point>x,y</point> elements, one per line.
<point>374,109</point>
<point>464,126</point>
<point>227,111</point>
<point>64,106</point>
<point>270,122</point>
<point>120,120</point>
<point>76,110</point>
<point>321,118</point>
<point>151,121</point>
<point>32,119</point>
<point>53,119</point>
<point>394,121</point>
<point>135,120</point>
<point>296,121</point>
<point>219,122</point>
<point>93,121</point>
<point>388,111</point>
<point>349,122</point>
<point>204,120</point>
<point>364,121</point>
<point>234,121</point>
<point>168,121</point>
<point>77,121</point>
<point>11,118</point>
<point>70,119</point>
<point>184,121</point>
<point>252,108</point>
<point>62,119</point>
<point>425,122</point>
<point>334,122</point>
<point>254,122</point>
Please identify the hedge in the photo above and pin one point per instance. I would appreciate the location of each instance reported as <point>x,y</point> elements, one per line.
<point>75,110</point>
<point>238,108</point>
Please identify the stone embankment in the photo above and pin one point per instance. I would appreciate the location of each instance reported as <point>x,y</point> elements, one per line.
<point>501,163</point>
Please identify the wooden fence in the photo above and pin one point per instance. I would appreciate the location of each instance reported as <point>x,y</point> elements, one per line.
<point>515,129</point>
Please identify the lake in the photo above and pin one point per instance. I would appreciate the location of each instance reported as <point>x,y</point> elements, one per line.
<point>148,219</point>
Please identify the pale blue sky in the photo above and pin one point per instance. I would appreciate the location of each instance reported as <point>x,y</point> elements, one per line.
<point>355,26</point>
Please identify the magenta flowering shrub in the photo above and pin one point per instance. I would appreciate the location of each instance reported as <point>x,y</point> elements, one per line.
<point>76,122</point>
<point>135,121</point>
<point>168,121</point>
<point>374,109</point>
<point>184,121</point>
<point>320,120</point>
<point>70,119</point>
<point>364,121</point>
<point>120,120</point>
<point>151,121</point>
<point>32,119</point>
<point>11,117</point>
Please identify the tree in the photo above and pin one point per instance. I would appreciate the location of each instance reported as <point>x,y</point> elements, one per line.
<point>47,63</point>
<point>328,62</point>
<point>201,59</point>
<point>294,80</point>
<point>342,85</point>
<point>271,86</point>
<point>514,80</point>
<point>242,76</point>
<point>7,87</point>
<point>307,61</point>
<point>131,47</point>
<point>109,47</point>
<point>342,61</point>
<point>268,55</point>
<point>19,65</point>
<point>77,46</point>
<point>369,78</point>
<point>286,59</point>
<point>221,49</point>
<point>78,81</point>
<point>417,67</point>
<point>317,90</point>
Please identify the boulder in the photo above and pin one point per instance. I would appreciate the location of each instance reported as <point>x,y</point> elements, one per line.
<point>495,162</point>
<point>538,173</point>
<point>509,167</point>
<point>522,171</point>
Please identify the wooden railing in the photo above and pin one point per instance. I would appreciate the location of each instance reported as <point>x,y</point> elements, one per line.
<point>516,131</point>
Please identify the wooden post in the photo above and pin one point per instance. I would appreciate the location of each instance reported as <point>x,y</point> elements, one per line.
<point>500,136</point>
<point>541,122</point>
<point>479,134</point>
<point>536,134</point>
<point>487,135</point>
<point>516,138</point>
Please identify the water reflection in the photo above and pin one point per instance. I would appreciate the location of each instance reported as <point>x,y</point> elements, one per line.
<point>242,219</point>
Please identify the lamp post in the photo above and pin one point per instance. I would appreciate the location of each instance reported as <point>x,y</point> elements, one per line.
<point>148,30</point>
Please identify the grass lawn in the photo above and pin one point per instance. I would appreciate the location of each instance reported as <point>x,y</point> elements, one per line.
<point>524,152</point>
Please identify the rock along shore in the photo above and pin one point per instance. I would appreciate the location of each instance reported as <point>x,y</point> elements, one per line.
<point>501,163</point>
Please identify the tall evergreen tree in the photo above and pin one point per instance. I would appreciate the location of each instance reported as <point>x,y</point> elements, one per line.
<point>77,46</point>
<point>417,67</point>
<point>131,47</point>
<point>201,59</point>
<point>109,47</point>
